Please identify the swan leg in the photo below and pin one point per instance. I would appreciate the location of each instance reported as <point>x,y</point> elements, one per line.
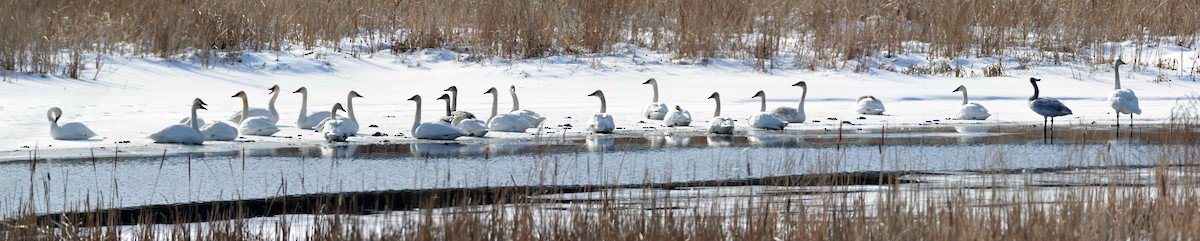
<point>1045,132</point>
<point>1118,119</point>
<point>1051,127</point>
<point>1130,119</point>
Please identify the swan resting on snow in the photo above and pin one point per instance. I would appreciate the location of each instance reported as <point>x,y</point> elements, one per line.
<point>68,131</point>
<point>505,122</point>
<point>601,122</point>
<point>453,116</point>
<point>793,115</point>
<point>308,121</point>
<point>181,134</point>
<point>720,124</point>
<point>216,131</point>
<point>656,110</point>
<point>270,113</point>
<point>970,111</point>
<point>764,119</point>
<point>352,122</point>
<point>677,117</point>
<point>335,129</point>
<point>534,119</point>
<point>254,125</point>
<point>432,130</point>
<point>1123,101</point>
<point>869,105</point>
<point>472,126</point>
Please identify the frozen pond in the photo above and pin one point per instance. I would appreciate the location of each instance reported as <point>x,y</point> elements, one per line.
<point>113,180</point>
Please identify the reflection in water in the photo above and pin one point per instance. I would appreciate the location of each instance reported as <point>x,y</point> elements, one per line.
<point>599,143</point>
<point>767,138</point>
<point>439,149</point>
<point>720,140</point>
<point>969,128</point>
<point>338,151</point>
<point>668,140</point>
<point>499,149</point>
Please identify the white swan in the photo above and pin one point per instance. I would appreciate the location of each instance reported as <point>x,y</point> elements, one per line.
<point>764,119</point>
<point>506,122</point>
<point>68,131</point>
<point>601,122</point>
<point>534,119</point>
<point>216,131</point>
<point>335,129</point>
<point>181,134</point>
<point>453,115</point>
<point>308,121</point>
<point>270,113</point>
<point>187,121</point>
<point>655,110</point>
<point>254,125</point>
<point>1123,101</point>
<point>794,115</point>
<point>1047,107</point>
<point>472,126</point>
<point>352,122</point>
<point>869,105</point>
<point>720,124</point>
<point>677,117</point>
<point>970,111</point>
<point>432,130</point>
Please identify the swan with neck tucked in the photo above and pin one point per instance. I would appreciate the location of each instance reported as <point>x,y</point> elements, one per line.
<point>68,131</point>
<point>454,116</point>
<point>254,125</point>
<point>308,121</point>
<point>505,122</point>
<point>869,105</point>
<point>1047,107</point>
<point>533,118</point>
<point>970,111</point>
<point>432,130</point>
<point>181,134</point>
<point>720,124</point>
<point>218,130</point>
<point>794,115</point>
<point>764,119</point>
<point>335,129</point>
<point>471,126</point>
<point>601,122</point>
<point>655,110</point>
<point>270,113</point>
<point>1123,101</point>
<point>351,123</point>
<point>677,117</point>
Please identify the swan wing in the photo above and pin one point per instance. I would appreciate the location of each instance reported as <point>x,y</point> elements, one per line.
<point>437,131</point>
<point>766,120</point>
<point>187,121</point>
<point>473,127</point>
<point>533,118</point>
<point>1125,101</point>
<point>973,111</point>
<point>601,123</point>
<point>789,114</point>
<point>312,120</point>
<point>508,123</point>
<point>219,131</point>
<point>258,126</point>
<point>335,130</point>
<point>75,131</point>
<point>1049,107</point>
<point>655,111</point>
<point>178,134</point>
<point>678,118</point>
<point>721,125</point>
<point>254,112</point>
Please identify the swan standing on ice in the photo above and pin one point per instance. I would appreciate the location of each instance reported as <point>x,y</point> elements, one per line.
<point>869,105</point>
<point>1123,101</point>
<point>432,130</point>
<point>471,126</point>
<point>270,113</point>
<point>970,111</point>
<point>351,124</point>
<point>181,134</point>
<point>601,122</point>
<point>455,115</point>
<point>656,110</point>
<point>720,124</point>
<point>254,125</point>
<point>534,119</point>
<point>764,119</point>
<point>335,129</point>
<point>794,115</point>
<point>68,131</point>
<point>1047,107</point>
<point>506,122</point>
<point>218,130</point>
<point>307,121</point>
<point>677,117</point>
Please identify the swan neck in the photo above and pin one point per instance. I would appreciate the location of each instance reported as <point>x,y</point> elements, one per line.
<point>454,100</point>
<point>1035,91</point>
<point>718,111</point>
<point>195,125</point>
<point>495,104</point>
<point>416,118</point>
<point>964,90</point>
<point>448,108</point>
<point>245,111</point>
<point>1116,77</point>
<point>516,104</point>
<point>271,105</point>
<point>303,105</point>
<point>654,84</point>
<point>803,95</point>
<point>763,107</point>
<point>333,113</point>
<point>350,108</point>
<point>603,104</point>
<point>52,118</point>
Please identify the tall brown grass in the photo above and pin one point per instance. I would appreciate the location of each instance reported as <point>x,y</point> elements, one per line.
<point>54,36</point>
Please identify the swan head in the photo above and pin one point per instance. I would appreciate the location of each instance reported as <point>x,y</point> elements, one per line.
<point>1034,80</point>
<point>444,97</point>
<point>301,90</point>
<point>759,94</point>
<point>53,114</point>
<point>801,84</point>
<point>416,98</point>
<point>1118,62</point>
<point>597,93</point>
<point>198,100</point>
<point>239,94</point>
<point>960,88</point>
<point>452,88</point>
<point>490,91</point>
<point>649,81</point>
<point>714,95</point>
<point>353,94</point>
<point>338,106</point>
<point>273,89</point>
<point>512,88</point>
<point>678,109</point>
<point>199,105</point>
